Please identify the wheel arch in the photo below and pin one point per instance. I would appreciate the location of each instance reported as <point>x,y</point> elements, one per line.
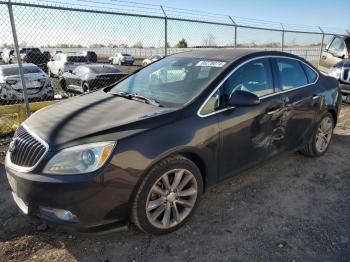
<point>334,114</point>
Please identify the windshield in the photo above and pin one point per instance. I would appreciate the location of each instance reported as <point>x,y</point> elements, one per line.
<point>76,59</point>
<point>172,81</point>
<point>26,70</point>
<point>104,69</point>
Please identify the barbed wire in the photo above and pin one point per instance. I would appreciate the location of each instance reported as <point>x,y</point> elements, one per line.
<point>124,6</point>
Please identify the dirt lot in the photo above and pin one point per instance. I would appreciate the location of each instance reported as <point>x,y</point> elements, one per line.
<point>290,209</point>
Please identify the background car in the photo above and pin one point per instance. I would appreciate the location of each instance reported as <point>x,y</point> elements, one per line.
<point>90,77</point>
<point>121,59</point>
<point>7,54</point>
<point>341,71</point>
<point>30,55</point>
<point>336,51</point>
<point>62,62</point>
<point>151,59</point>
<point>91,56</point>
<point>38,84</point>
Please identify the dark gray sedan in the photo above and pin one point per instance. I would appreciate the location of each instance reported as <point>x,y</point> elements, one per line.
<point>89,77</point>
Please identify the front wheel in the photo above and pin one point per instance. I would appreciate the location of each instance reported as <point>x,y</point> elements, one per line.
<point>167,196</point>
<point>321,138</point>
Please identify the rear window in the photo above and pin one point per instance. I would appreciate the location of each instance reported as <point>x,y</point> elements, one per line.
<point>76,59</point>
<point>311,74</point>
<point>290,73</point>
<point>15,70</point>
<point>102,69</point>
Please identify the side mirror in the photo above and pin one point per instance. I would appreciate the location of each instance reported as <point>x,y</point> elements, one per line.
<point>243,98</point>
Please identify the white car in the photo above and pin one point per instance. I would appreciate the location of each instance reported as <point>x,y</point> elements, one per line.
<point>121,59</point>
<point>38,84</point>
<point>151,59</point>
<point>7,55</point>
<point>61,63</point>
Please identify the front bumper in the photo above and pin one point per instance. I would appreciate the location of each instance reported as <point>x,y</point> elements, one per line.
<point>96,203</point>
<point>345,88</point>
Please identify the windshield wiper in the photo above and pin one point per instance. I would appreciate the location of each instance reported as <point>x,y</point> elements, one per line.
<point>138,97</point>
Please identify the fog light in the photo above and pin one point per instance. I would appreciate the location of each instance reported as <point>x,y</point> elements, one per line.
<point>61,214</point>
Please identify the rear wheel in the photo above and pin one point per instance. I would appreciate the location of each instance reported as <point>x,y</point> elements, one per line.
<point>60,73</point>
<point>167,196</point>
<point>63,84</point>
<point>86,87</point>
<point>49,72</point>
<point>321,138</point>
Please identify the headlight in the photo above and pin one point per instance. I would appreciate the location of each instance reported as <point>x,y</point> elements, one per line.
<point>79,159</point>
<point>335,72</point>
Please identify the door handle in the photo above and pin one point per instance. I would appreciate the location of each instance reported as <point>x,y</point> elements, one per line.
<point>315,97</point>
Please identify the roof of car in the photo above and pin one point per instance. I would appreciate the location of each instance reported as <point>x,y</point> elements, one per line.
<point>229,54</point>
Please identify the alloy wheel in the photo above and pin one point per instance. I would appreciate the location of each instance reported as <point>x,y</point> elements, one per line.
<point>324,134</point>
<point>171,198</point>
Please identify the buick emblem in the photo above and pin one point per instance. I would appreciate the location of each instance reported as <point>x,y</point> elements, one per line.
<point>12,146</point>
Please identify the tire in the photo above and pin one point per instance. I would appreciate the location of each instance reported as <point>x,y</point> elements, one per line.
<point>49,73</point>
<point>176,166</point>
<point>86,87</point>
<point>63,84</point>
<point>60,73</point>
<point>312,148</point>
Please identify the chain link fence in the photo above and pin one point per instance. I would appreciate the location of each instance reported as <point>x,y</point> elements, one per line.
<point>53,50</point>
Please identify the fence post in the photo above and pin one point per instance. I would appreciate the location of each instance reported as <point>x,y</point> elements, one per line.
<point>282,48</point>
<point>165,31</point>
<point>234,23</point>
<point>322,43</point>
<point>15,40</point>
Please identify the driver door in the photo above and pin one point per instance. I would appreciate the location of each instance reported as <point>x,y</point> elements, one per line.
<point>250,134</point>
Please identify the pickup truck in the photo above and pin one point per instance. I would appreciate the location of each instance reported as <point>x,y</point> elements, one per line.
<point>335,61</point>
<point>29,55</point>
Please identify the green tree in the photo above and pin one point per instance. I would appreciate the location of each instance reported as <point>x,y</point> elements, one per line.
<point>182,44</point>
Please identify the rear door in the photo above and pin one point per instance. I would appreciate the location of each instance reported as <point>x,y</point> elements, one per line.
<point>252,134</point>
<point>297,87</point>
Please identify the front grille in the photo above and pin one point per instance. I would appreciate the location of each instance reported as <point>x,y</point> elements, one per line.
<point>346,75</point>
<point>28,149</point>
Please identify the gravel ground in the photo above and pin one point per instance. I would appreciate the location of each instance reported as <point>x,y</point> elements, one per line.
<point>291,208</point>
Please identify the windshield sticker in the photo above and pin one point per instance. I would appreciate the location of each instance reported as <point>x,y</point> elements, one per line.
<point>211,63</point>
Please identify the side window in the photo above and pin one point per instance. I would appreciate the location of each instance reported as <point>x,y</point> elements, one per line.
<point>337,47</point>
<point>212,104</point>
<point>311,74</point>
<point>254,77</point>
<point>290,74</point>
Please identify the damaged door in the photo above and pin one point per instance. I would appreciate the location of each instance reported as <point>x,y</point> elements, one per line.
<point>251,134</point>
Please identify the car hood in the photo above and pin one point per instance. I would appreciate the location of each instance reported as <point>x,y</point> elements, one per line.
<point>345,63</point>
<point>94,117</point>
